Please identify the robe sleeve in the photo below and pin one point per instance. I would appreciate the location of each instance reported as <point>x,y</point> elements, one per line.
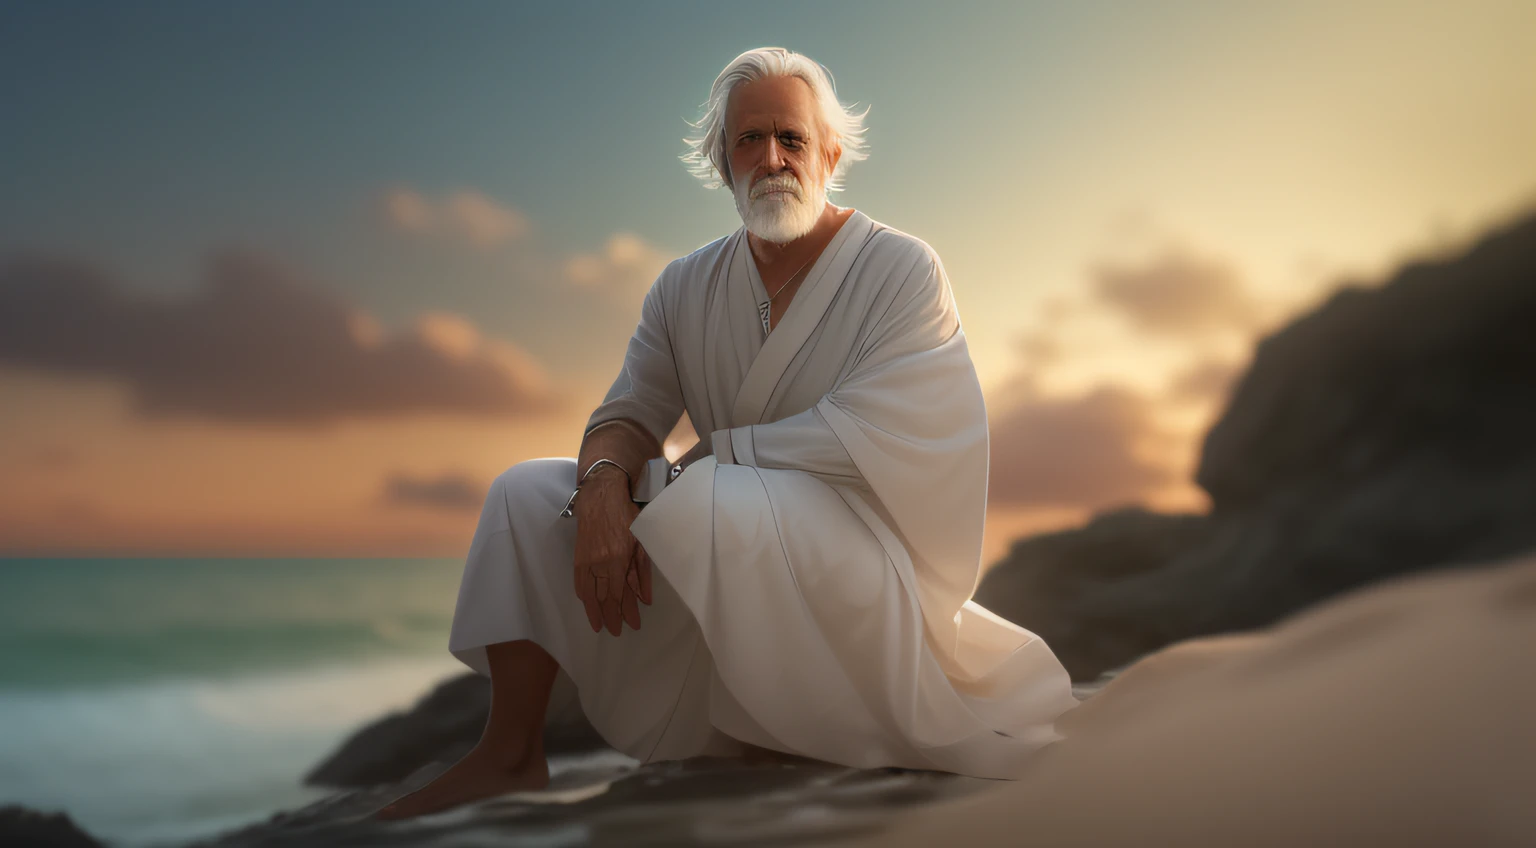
<point>647,389</point>
<point>912,416</point>
<point>802,442</point>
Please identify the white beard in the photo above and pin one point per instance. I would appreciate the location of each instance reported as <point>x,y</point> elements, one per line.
<point>779,217</point>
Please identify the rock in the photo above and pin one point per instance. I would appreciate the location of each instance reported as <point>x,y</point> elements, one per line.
<point>1389,431</point>
<point>443,725</point>
<point>22,827</point>
<point>1061,585</point>
<point>1437,360</point>
<point>701,801</point>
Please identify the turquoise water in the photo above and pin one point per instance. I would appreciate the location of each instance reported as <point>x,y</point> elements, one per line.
<point>157,700</point>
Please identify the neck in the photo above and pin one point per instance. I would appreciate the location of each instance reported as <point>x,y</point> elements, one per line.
<point>773,255</point>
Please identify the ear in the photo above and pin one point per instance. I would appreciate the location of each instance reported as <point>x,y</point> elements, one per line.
<point>834,153</point>
<point>724,168</point>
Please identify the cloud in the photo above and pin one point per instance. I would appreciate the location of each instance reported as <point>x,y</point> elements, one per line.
<point>1038,349</point>
<point>1074,452</point>
<point>617,272</point>
<point>1178,293</point>
<point>626,260</point>
<point>256,344</point>
<point>1206,380</point>
<point>448,492</point>
<point>52,458</point>
<point>465,215</point>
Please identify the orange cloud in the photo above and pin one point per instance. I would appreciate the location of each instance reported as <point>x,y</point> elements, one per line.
<point>257,344</point>
<point>1075,452</point>
<point>467,215</point>
<point>154,486</point>
<point>455,492</point>
<point>1178,293</point>
<point>1038,349</point>
<point>1206,380</point>
<point>626,259</point>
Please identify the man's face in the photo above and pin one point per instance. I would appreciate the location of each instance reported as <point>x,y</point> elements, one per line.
<point>778,157</point>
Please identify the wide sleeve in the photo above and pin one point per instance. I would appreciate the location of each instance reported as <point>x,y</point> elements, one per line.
<point>912,416</point>
<point>646,390</point>
<point>801,442</point>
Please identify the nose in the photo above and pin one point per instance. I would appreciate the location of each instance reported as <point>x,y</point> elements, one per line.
<point>773,157</point>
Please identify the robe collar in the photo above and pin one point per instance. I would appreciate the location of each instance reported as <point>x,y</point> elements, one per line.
<point>804,313</point>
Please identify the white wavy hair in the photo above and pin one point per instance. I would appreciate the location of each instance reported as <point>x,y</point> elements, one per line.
<point>707,159</point>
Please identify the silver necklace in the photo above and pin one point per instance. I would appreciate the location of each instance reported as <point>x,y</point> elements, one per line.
<point>766,306</point>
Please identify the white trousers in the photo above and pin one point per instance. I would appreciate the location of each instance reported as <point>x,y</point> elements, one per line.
<point>645,691</point>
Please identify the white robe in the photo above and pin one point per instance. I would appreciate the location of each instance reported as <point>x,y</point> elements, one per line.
<point>815,575</point>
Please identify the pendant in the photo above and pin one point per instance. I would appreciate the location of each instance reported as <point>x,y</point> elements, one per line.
<point>762,312</point>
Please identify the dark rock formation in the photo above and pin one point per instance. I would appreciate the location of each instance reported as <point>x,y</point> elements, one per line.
<point>1389,431</point>
<point>702,801</point>
<point>1057,585</point>
<point>22,827</point>
<point>443,726</point>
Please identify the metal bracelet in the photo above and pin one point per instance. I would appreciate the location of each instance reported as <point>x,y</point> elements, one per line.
<point>596,464</point>
<point>570,503</point>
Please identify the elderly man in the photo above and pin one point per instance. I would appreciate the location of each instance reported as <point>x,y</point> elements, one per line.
<point>806,572</point>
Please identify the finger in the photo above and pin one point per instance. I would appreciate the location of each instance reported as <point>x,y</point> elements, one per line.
<point>632,576</point>
<point>589,603</point>
<point>581,580</point>
<point>631,607</point>
<point>643,573</point>
<point>613,616</point>
<point>613,606</point>
<point>600,598</point>
<point>607,605</point>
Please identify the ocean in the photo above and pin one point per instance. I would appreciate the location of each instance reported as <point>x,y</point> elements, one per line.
<point>161,700</point>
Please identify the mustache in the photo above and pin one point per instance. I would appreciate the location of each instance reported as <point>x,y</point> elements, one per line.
<point>767,184</point>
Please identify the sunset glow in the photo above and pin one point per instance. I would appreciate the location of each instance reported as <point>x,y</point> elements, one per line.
<point>316,309</point>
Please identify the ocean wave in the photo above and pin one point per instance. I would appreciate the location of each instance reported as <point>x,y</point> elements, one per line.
<point>88,623</point>
<point>166,760</point>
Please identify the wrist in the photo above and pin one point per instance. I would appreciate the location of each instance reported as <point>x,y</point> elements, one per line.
<point>600,488</point>
<point>607,476</point>
<point>607,482</point>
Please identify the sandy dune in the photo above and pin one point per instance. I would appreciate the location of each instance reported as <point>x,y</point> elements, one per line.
<point>1403,714</point>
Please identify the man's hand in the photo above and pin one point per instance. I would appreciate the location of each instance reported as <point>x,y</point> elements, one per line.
<point>612,570</point>
<point>637,585</point>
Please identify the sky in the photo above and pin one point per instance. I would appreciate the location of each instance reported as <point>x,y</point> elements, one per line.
<point>302,279</point>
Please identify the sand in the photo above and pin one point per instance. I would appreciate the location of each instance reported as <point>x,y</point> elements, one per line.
<point>1402,714</point>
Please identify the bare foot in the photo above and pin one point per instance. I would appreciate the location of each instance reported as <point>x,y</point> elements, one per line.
<point>481,774</point>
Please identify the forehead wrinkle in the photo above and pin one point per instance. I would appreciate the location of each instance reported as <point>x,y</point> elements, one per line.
<point>790,125</point>
<point>755,120</point>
